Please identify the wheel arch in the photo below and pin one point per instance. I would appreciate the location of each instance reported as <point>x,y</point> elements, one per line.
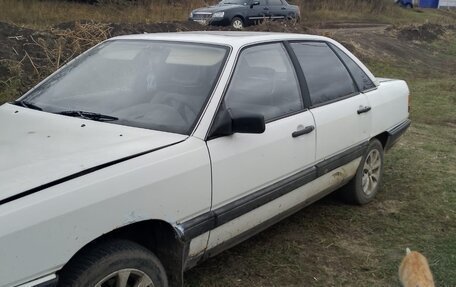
<point>243,18</point>
<point>158,236</point>
<point>383,138</point>
<point>292,15</point>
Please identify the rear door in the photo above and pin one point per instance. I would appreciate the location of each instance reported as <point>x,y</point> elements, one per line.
<point>277,9</point>
<point>247,168</point>
<point>341,111</point>
<point>382,102</point>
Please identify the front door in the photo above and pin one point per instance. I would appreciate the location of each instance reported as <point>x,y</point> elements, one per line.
<point>258,12</point>
<point>243,165</point>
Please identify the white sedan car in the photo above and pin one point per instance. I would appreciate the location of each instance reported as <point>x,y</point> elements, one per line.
<point>150,153</point>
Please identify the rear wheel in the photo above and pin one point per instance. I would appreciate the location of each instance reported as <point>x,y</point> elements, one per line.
<point>293,18</point>
<point>118,263</point>
<point>237,23</point>
<point>364,186</point>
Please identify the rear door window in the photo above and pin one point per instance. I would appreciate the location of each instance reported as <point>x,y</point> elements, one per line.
<point>327,78</point>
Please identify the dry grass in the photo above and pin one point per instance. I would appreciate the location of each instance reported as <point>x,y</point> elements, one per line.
<point>75,41</point>
<point>370,11</point>
<point>361,6</point>
<point>42,14</point>
<point>38,54</point>
<point>46,13</point>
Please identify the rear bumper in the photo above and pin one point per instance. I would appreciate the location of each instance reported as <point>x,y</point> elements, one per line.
<point>395,133</point>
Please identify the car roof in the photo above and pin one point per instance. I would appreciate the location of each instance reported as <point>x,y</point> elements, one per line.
<point>231,38</point>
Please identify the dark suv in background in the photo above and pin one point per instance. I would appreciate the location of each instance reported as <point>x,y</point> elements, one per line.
<point>240,13</point>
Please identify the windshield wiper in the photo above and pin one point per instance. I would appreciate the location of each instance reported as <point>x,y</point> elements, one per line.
<point>26,104</point>
<point>88,115</point>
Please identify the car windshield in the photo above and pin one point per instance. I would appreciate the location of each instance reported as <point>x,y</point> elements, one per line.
<point>148,84</point>
<point>238,2</point>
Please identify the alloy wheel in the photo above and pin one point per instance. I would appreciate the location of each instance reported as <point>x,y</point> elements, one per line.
<point>371,172</point>
<point>237,24</point>
<point>126,278</point>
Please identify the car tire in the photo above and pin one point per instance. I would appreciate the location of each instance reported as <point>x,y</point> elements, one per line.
<point>237,23</point>
<point>114,263</point>
<point>365,185</point>
<point>293,18</point>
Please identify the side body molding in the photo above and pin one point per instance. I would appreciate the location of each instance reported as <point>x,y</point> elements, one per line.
<point>210,220</point>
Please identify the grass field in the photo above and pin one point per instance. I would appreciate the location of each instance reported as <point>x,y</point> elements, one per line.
<point>331,243</point>
<point>43,14</point>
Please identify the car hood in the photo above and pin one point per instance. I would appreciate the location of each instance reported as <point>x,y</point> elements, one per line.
<point>217,8</point>
<point>37,148</point>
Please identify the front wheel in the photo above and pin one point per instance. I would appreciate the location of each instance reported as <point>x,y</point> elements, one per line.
<point>366,183</point>
<point>118,263</point>
<point>237,23</point>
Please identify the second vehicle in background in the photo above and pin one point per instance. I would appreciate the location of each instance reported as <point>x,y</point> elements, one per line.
<point>405,3</point>
<point>241,13</point>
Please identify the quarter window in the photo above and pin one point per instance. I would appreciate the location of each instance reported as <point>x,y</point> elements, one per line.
<point>362,80</point>
<point>327,78</point>
<point>264,81</point>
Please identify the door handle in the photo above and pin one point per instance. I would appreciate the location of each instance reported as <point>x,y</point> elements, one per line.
<point>362,110</point>
<point>265,8</point>
<point>303,131</point>
<point>283,8</point>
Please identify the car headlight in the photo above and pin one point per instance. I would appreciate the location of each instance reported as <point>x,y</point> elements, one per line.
<point>218,15</point>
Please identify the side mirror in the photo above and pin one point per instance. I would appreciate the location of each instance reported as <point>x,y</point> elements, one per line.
<point>255,3</point>
<point>247,123</point>
<point>231,121</point>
